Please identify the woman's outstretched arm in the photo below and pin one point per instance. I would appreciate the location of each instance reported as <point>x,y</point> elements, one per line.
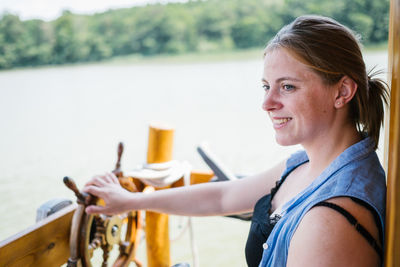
<point>219,198</point>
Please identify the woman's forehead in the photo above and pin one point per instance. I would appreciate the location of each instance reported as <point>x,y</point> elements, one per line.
<point>280,63</point>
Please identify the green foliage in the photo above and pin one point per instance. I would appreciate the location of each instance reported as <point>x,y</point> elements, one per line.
<point>174,29</point>
<point>369,18</point>
<point>248,32</point>
<point>12,37</point>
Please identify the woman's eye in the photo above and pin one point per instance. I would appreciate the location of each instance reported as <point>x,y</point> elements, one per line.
<point>265,87</point>
<point>288,87</point>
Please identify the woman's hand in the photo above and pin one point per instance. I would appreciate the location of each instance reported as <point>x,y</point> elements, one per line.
<point>107,187</point>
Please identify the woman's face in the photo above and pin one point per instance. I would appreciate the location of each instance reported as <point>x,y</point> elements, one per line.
<point>300,105</point>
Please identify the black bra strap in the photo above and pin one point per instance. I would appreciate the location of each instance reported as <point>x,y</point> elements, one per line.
<point>361,229</point>
<point>374,213</point>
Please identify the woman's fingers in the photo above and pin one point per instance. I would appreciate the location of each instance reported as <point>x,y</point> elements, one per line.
<point>107,178</point>
<point>112,178</point>
<point>92,209</point>
<point>97,180</point>
<point>94,190</point>
<point>102,180</point>
<point>108,188</point>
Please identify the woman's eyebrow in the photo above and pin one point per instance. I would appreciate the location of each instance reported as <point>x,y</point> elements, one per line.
<point>286,78</point>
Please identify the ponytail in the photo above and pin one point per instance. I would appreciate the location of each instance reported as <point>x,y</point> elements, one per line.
<point>372,112</point>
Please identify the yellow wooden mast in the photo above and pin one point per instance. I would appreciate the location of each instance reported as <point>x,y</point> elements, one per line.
<point>157,237</point>
<point>392,244</point>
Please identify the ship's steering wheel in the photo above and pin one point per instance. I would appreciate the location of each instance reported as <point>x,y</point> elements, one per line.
<point>115,237</point>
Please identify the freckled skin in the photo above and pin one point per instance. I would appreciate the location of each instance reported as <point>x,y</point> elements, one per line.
<point>310,105</point>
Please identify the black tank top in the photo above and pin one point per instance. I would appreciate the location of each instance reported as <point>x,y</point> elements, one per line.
<point>261,227</point>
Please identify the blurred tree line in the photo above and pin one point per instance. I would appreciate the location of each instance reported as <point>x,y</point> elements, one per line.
<point>174,28</point>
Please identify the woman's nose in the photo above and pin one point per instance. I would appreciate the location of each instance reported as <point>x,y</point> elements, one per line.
<point>271,100</point>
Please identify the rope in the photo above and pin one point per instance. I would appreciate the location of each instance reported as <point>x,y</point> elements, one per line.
<point>162,175</point>
<point>159,174</point>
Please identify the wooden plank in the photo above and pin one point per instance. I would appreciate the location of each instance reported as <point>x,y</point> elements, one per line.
<point>197,177</point>
<point>43,244</point>
<point>392,244</point>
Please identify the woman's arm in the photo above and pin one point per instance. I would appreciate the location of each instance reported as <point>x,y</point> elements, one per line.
<point>325,238</point>
<point>217,198</point>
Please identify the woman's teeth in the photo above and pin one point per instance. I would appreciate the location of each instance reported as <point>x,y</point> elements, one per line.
<point>281,121</point>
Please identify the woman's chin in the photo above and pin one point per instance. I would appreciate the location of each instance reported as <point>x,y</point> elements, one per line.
<point>284,141</point>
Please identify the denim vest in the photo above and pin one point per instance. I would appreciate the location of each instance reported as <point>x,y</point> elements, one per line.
<point>356,172</point>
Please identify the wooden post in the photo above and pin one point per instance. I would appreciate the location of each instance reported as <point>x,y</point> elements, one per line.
<point>157,235</point>
<point>392,241</point>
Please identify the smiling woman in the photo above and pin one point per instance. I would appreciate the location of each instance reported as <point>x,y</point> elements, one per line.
<point>319,95</point>
<point>327,207</point>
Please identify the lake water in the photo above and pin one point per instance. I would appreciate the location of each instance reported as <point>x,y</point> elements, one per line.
<point>68,121</point>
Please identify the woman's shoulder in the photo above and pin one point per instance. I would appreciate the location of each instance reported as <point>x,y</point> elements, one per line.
<point>324,233</point>
<point>363,176</point>
<point>363,179</point>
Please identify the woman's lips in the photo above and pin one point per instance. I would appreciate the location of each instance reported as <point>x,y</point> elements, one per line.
<point>280,122</point>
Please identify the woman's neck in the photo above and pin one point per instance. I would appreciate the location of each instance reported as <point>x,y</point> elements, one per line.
<point>322,153</point>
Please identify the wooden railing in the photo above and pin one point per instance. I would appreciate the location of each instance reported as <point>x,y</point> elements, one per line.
<point>392,235</point>
<point>44,244</point>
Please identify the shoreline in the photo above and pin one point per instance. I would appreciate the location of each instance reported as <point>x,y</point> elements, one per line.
<point>185,58</point>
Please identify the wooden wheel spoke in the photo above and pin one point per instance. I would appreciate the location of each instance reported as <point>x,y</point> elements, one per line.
<point>101,219</point>
<point>106,253</point>
<point>124,247</point>
<point>96,242</point>
<point>90,252</point>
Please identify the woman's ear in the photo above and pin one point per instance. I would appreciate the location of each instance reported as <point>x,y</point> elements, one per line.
<point>346,89</point>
